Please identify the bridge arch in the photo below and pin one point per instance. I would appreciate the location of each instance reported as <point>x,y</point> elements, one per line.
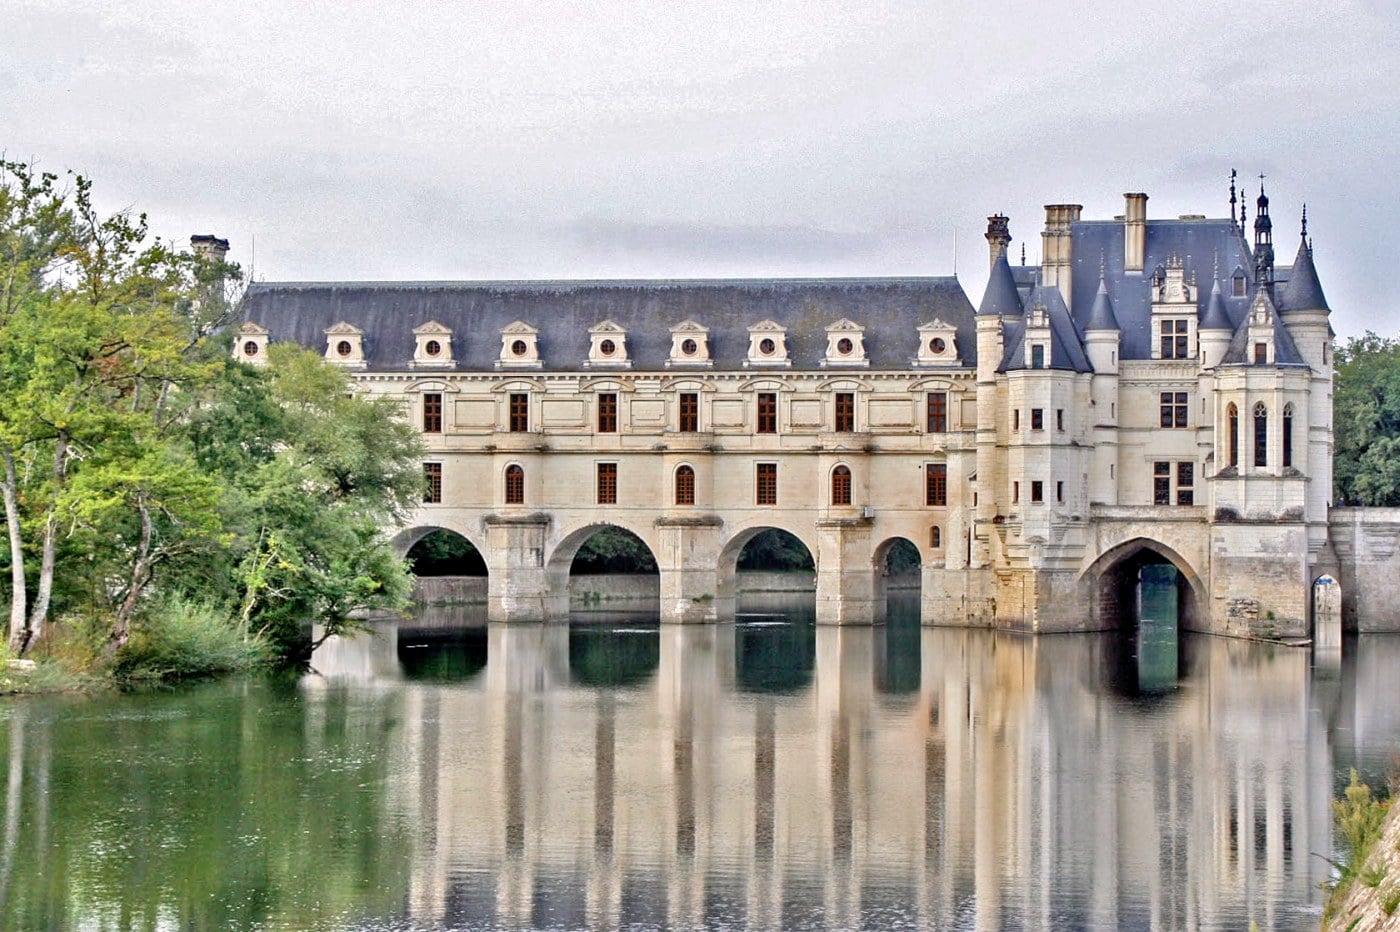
<point>405,540</point>
<point>727,566</point>
<point>892,559</point>
<point>1113,574</point>
<point>559,564</point>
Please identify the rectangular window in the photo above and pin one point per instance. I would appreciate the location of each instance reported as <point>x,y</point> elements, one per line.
<point>519,412</point>
<point>432,483</point>
<point>936,484</point>
<point>1059,418</point>
<point>1175,339</point>
<point>937,412</point>
<point>1174,406</point>
<point>607,483</point>
<point>1161,483</point>
<point>689,422</point>
<point>1059,491</point>
<point>1261,354</point>
<point>432,413</point>
<point>1015,492</point>
<point>607,412</point>
<point>1037,490</point>
<point>1037,356</point>
<point>767,422</point>
<point>1015,418</point>
<point>766,484</point>
<point>845,412</point>
<point>1185,482</point>
<point>1037,418</point>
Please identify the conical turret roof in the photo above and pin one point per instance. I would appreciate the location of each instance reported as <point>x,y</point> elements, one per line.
<point>1216,316</point>
<point>1303,291</point>
<point>1001,296</point>
<point>1101,316</point>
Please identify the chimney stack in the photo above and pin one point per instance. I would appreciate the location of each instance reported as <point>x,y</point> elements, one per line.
<point>209,248</point>
<point>998,235</point>
<point>1056,248</point>
<point>1134,232</point>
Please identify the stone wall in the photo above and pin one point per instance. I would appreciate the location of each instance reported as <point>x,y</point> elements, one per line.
<point>1367,544</point>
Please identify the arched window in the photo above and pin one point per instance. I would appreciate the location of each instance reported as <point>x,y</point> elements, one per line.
<point>1288,435</point>
<point>515,485</point>
<point>685,485</point>
<point>1261,435</point>
<point>841,486</point>
<point>1232,414</point>
<point>935,537</point>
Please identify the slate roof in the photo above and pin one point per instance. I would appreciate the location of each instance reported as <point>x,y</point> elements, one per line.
<point>1216,317</point>
<point>1001,296</point>
<point>890,310</point>
<point>1101,316</point>
<point>1098,244</point>
<point>1303,292</point>
<point>1066,339</point>
<point>1285,350</point>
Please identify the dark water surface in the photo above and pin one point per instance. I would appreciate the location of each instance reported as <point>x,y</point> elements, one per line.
<point>768,774</point>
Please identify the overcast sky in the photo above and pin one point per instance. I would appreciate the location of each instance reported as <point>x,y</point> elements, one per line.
<point>486,139</point>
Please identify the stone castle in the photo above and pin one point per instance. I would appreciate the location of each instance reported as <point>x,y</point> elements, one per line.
<point>1155,391</point>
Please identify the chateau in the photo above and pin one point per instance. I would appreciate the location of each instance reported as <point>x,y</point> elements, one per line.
<point>1156,391</point>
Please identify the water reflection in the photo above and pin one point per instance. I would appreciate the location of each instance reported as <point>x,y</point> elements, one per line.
<point>612,774</point>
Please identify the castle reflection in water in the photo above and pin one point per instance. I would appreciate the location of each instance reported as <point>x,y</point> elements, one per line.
<point>780,775</point>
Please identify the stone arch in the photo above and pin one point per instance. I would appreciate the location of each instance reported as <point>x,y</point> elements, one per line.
<point>561,558</point>
<point>727,567</point>
<point>1106,577</point>
<point>402,542</point>
<point>880,567</point>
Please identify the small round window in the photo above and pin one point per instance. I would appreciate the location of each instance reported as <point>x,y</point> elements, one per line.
<point>518,348</point>
<point>688,347</point>
<point>844,346</point>
<point>767,347</point>
<point>607,347</point>
<point>343,348</point>
<point>936,345</point>
<point>432,348</point>
<point>250,348</point>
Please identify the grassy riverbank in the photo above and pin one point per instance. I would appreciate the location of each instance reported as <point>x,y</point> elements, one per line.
<point>1367,888</point>
<point>179,640</point>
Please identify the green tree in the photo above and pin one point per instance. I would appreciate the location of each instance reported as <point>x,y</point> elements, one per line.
<point>1366,421</point>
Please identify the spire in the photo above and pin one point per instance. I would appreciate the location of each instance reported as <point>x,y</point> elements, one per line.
<point>1001,296</point>
<point>1101,316</point>
<point>1233,201</point>
<point>1216,317</point>
<point>1263,242</point>
<point>1303,292</point>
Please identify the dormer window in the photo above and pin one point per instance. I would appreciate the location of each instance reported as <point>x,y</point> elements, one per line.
<point>607,347</point>
<point>1037,356</point>
<point>251,344</point>
<point>345,345</point>
<point>519,347</point>
<point>768,345</point>
<point>937,344</point>
<point>690,345</point>
<point>1238,284</point>
<point>845,345</point>
<point>432,346</point>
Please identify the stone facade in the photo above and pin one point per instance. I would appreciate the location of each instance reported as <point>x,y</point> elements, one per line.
<point>1156,391</point>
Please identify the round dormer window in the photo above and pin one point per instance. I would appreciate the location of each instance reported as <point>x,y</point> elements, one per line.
<point>250,348</point>
<point>343,348</point>
<point>937,346</point>
<point>432,348</point>
<point>767,347</point>
<point>689,348</point>
<point>844,346</point>
<point>518,348</point>
<point>607,347</point>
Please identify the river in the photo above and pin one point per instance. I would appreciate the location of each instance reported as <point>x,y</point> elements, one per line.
<point>769,774</point>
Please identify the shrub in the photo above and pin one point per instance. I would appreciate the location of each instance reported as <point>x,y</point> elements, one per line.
<point>183,639</point>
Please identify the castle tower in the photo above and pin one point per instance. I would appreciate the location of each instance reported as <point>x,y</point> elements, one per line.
<point>1102,342</point>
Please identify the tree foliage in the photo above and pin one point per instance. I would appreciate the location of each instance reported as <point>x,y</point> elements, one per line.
<point>141,464</point>
<point>1366,421</point>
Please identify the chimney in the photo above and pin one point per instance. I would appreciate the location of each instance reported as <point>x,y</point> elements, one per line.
<point>1055,251</point>
<point>998,235</point>
<point>1134,232</point>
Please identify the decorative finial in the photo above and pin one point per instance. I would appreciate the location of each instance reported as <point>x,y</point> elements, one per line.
<point>1261,184</point>
<point>1244,208</point>
<point>1305,220</point>
<point>1232,196</point>
<point>1103,265</point>
<point>1023,252</point>
<point>1215,275</point>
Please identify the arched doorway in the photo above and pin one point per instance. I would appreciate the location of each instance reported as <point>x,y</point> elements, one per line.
<point>602,567</point>
<point>766,565</point>
<point>898,572</point>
